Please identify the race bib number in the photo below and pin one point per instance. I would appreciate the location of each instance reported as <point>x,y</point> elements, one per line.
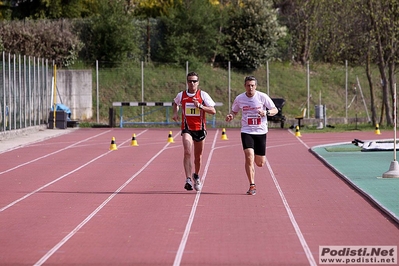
<point>254,120</point>
<point>191,110</point>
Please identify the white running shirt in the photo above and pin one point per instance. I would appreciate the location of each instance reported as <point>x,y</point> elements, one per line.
<point>251,121</point>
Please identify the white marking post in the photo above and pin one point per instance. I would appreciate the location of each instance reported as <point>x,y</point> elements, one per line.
<point>393,171</point>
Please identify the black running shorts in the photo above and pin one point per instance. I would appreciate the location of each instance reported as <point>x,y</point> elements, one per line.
<point>196,135</point>
<point>255,142</point>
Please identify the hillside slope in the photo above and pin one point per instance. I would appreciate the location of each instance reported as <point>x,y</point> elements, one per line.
<point>161,83</point>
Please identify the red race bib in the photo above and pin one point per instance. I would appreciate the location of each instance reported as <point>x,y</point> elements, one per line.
<point>254,120</point>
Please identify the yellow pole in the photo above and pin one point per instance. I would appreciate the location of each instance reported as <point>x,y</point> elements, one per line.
<point>55,96</point>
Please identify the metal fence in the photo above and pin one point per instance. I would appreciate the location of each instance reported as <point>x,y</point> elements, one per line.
<point>25,91</point>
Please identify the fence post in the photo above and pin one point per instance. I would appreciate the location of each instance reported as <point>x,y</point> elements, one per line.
<point>121,117</point>
<point>111,117</point>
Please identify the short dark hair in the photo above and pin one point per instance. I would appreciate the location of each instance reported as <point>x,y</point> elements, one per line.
<point>191,74</point>
<point>250,78</point>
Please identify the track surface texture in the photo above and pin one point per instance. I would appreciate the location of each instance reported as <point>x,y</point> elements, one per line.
<point>70,200</point>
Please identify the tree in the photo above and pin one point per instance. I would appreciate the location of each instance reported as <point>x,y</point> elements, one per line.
<point>298,16</point>
<point>362,32</point>
<point>149,10</point>
<point>52,40</point>
<point>191,32</point>
<point>252,34</point>
<point>383,23</point>
<point>153,8</point>
<point>52,9</point>
<point>110,35</point>
<point>5,11</point>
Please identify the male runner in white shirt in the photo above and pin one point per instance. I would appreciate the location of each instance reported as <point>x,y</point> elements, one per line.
<point>255,107</point>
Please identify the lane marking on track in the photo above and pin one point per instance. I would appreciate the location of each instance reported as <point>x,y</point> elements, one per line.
<point>61,177</point>
<point>298,138</point>
<point>228,146</point>
<point>88,218</point>
<point>292,218</point>
<point>55,152</point>
<point>278,146</point>
<point>190,221</point>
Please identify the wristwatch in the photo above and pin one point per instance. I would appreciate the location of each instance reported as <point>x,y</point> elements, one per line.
<point>200,106</point>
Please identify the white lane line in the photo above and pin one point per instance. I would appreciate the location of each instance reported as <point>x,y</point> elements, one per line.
<point>292,218</point>
<point>190,221</point>
<point>61,177</point>
<point>55,152</point>
<point>298,138</point>
<point>88,218</point>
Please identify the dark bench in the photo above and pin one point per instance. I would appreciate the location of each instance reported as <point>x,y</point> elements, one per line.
<point>279,117</point>
<point>72,123</point>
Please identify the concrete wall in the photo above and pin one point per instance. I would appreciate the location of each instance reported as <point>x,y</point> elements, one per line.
<point>75,91</point>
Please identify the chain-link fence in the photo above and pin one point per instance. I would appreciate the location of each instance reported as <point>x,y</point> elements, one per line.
<point>25,91</point>
<point>26,86</point>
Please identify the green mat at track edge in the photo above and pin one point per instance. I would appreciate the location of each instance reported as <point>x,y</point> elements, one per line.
<point>349,181</point>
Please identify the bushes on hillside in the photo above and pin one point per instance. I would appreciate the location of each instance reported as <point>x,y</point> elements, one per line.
<point>196,31</point>
<point>53,40</point>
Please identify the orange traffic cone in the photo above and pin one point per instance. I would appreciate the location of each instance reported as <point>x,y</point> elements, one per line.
<point>113,145</point>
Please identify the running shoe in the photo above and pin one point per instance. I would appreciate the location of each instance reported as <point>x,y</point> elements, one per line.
<point>197,182</point>
<point>189,184</point>
<point>251,190</point>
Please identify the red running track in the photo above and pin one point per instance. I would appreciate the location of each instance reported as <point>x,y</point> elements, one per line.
<point>70,201</point>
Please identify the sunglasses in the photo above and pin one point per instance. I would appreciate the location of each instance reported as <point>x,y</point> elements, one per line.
<point>192,81</point>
